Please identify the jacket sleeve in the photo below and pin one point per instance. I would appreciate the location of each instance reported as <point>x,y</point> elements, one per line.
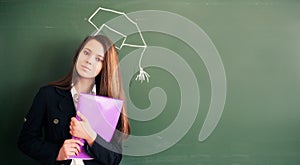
<point>104,152</point>
<point>31,140</point>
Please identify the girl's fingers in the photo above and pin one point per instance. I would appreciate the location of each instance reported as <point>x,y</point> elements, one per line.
<point>75,146</point>
<point>73,142</point>
<point>72,151</point>
<point>77,141</point>
<point>73,119</point>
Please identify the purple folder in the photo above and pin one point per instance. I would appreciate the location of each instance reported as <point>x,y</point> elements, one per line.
<point>103,115</point>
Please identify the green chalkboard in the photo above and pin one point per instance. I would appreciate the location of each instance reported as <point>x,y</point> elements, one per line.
<point>257,43</point>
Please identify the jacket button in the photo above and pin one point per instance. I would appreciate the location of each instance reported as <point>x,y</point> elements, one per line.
<point>25,119</point>
<point>55,121</point>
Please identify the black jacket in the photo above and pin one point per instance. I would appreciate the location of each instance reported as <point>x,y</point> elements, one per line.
<point>46,127</point>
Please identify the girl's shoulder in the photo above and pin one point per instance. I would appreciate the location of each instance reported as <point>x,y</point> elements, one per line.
<point>53,90</point>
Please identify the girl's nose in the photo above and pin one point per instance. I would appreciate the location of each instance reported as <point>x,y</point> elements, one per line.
<point>89,60</point>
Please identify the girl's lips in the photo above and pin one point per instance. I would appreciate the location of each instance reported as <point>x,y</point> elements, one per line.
<point>85,67</point>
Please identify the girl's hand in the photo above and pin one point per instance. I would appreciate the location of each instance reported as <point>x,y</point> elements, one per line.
<point>69,148</point>
<point>82,129</point>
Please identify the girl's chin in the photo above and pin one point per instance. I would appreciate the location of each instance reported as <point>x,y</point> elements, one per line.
<point>85,76</point>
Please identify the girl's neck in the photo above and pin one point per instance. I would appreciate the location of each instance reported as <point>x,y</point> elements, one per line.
<point>84,85</point>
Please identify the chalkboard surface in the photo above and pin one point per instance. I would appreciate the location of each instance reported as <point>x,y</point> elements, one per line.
<point>258,43</point>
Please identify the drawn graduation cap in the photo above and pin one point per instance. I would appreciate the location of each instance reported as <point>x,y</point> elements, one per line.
<point>142,76</point>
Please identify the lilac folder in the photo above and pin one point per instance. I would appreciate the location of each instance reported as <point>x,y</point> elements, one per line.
<point>103,115</point>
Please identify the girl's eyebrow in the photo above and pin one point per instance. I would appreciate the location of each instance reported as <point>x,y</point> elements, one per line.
<point>102,56</point>
<point>97,54</point>
<point>88,49</point>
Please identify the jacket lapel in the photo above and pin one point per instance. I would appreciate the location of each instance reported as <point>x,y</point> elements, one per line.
<point>65,103</point>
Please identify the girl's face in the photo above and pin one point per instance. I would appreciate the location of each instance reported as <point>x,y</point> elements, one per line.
<point>90,59</point>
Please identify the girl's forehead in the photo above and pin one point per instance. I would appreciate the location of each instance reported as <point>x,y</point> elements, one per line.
<point>94,46</point>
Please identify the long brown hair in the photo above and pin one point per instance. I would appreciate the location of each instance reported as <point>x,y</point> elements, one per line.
<point>108,81</point>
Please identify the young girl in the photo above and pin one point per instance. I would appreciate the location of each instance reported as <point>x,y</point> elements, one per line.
<point>50,124</point>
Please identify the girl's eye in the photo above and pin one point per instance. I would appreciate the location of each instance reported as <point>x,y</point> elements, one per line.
<point>98,59</point>
<point>85,52</point>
